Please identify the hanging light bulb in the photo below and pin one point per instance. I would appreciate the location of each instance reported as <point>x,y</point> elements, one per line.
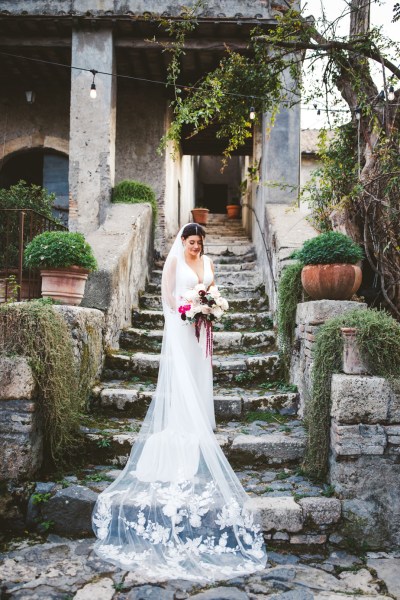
<point>357,112</point>
<point>391,94</point>
<point>252,114</point>
<point>381,95</point>
<point>93,92</point>
<point>318,112</point>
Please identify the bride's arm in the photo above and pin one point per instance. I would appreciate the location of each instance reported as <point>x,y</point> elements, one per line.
<point>168,284</point>
<point>213,272</point>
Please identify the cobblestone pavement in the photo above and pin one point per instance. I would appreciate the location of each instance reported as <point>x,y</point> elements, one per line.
<point>63,569</point>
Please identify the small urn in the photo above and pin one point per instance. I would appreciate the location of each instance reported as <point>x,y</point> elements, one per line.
<point>353,363</point>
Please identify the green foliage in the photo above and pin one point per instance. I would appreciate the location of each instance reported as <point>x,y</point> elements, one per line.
<point>59,249</point>
<point>290,291</point>
<point>134,192</point>
<point>34,330</point>
<point>334,185</point>
<point>39,498</point>
<point>327,248</point>
<point>23,195</point>
<point>267,416</point>
<point>378,338</point>
<point>244,377</point>
<point>279,386</point>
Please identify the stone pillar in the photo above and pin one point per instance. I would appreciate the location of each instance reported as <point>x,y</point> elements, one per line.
<point>281,156</point>
<point>364,460</point>
<point>309,318</point>
<point>21,428</point>
<point>92,130</point>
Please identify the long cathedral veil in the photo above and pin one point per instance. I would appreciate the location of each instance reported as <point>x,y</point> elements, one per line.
<point>177,510</point>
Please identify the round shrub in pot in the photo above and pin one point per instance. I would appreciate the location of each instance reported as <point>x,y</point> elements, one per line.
<point>65,259</point>
<point>330,271</point>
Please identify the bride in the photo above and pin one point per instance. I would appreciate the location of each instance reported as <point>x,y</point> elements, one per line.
<point>178,510</point>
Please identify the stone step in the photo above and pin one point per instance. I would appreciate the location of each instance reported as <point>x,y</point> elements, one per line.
<point>292,509</point>
<point>233,369</point>
<point>227,258</point>
<point>224,341</point>
<point>257,321</point>
<point>225,278</point>
<point>230,292</point>
<point>132,399</point>
<point>108,441</point>
<point>222,249</point>
<point>236,304</point>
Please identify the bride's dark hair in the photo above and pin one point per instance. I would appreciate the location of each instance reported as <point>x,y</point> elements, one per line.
<point>194,229</point>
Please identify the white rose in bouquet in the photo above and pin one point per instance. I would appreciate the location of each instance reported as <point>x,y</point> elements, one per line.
<point>214,292</point>
<point>219,301</point>
<point>200,287</point>
<point>224,304</point>
<point>217,312</point>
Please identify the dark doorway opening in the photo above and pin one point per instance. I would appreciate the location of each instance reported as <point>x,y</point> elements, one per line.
<point>46,168</point>
<point>215,197</point>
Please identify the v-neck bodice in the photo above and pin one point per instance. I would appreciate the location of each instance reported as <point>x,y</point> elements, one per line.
<point>187,278</point>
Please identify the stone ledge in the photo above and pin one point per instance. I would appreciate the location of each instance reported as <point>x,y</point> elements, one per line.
<point>317,312</point>
<point>360,399</point>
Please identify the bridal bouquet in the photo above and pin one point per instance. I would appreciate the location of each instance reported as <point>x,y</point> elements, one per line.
<point>202,307</point>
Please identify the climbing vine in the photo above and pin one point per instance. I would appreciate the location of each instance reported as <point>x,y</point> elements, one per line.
<point>290,292</point>
<point>34,330</point>
<point>378,338</point>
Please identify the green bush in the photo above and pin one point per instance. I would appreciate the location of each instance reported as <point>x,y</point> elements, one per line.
<point>327,248</point>
<point>54,249</point>
<point>134,192</point>
<point>378,338</point>
<point>23,195</point>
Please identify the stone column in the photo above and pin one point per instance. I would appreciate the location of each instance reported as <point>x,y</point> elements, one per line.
<point>92,130</point>
<point>281,156</point>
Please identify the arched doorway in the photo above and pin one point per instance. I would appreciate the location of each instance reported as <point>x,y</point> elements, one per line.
<point>43,167</point>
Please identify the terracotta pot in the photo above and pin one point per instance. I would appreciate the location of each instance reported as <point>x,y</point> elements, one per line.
<point>200,215</point>
<point>65,285</point>
<point>331,282</point>
<point>233,211</point>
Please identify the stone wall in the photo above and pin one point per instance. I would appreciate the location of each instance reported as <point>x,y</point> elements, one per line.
<point>364,462</point>
<point>44,124</point>
<point>123,249</point>
<point>21,426</point>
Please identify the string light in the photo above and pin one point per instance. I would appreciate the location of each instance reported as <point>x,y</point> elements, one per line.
<point>357,112</point>
<point>252,114</point>
<point>93,92</point>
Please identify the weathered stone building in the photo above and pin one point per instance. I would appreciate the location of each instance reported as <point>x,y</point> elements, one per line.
<point>80,147</point>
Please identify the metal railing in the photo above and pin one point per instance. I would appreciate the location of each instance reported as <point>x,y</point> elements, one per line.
<point>17,228</point>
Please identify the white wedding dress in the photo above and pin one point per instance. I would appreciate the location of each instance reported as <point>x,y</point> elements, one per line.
<point>178,510</point>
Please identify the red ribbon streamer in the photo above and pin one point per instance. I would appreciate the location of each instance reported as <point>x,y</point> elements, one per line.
<point>203,321</point>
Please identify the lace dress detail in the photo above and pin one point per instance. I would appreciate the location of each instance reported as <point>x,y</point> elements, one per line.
<point>177,510</point>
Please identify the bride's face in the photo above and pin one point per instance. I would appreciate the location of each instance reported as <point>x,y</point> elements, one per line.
<point>193,245</point>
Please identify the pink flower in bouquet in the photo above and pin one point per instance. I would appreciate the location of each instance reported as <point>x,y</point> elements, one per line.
<point>184,308</point>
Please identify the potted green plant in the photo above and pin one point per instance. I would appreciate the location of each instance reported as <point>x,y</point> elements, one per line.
<point>329,266</point>
<point>65,259</point>
<point>200,215</point>
<point>233,209</point>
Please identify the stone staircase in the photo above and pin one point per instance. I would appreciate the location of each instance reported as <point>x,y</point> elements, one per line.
<point>257,424</point>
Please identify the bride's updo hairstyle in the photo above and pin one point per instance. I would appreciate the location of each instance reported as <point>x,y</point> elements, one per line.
<point>194,229</point>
